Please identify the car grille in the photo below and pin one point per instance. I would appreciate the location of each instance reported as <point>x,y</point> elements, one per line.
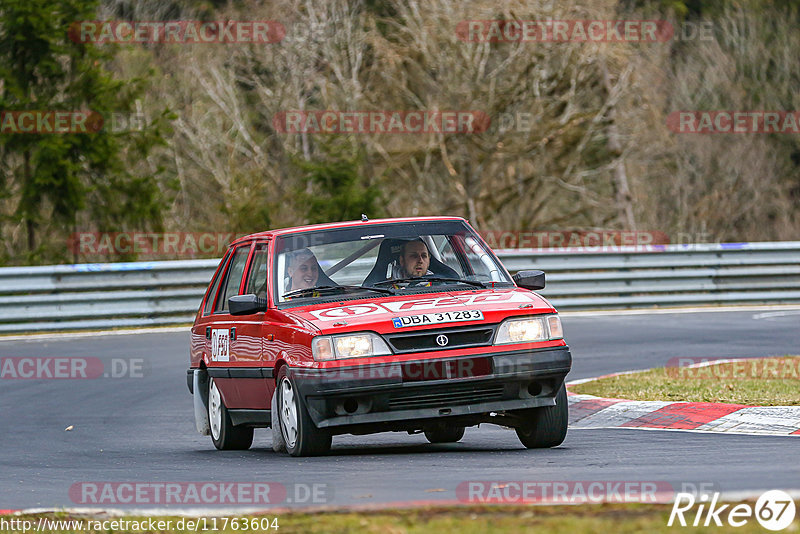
<point>445,396</point>
<point>426,340</point>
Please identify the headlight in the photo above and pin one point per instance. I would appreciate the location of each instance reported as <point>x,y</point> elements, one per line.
<point>529,329</point>
<point>348,346</point>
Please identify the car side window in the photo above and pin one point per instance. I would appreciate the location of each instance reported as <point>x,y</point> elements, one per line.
<point>214,287</point>
<point>233,278</point>
<point>257,275</point>
<point>483,266</point>
<point>448,255</point>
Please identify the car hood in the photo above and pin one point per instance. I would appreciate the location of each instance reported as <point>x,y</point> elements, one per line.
<point>376,314</point>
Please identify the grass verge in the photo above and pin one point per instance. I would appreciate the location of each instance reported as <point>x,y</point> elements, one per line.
<point>757,382</point>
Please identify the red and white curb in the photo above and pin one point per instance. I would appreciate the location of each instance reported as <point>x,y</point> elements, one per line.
<point>588,411</point>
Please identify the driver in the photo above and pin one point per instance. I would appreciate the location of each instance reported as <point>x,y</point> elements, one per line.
<point>303,270</point>
<point>414,259</point>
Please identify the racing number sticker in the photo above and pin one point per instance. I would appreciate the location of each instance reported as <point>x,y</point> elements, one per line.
<point>220,345</point>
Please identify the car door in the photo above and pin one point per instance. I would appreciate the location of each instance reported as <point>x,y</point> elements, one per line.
<point>200,343</point>
<point>221,330</point>
<point>254,389</point>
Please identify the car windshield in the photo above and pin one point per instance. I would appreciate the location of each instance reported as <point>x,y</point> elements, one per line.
<point>376,260</point>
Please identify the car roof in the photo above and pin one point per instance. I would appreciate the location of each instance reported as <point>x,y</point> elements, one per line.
<point>270,234</point>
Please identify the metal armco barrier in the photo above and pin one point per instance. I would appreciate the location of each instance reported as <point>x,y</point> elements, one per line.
<point>114,295</point>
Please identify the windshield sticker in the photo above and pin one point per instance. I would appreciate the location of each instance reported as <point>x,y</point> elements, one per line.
<point>344,312</point>
<point>427,304</point>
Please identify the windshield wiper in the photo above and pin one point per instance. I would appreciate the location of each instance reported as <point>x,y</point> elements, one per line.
<point>431,279</point>
<point>329,289</point>
<point>475,283</point>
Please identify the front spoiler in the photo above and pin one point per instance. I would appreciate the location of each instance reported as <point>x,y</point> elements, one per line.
<point>377,395</point>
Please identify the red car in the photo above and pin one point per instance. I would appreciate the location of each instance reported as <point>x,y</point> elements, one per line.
<point>370,326</point>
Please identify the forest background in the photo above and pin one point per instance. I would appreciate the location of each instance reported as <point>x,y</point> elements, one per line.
<point>579,138</point>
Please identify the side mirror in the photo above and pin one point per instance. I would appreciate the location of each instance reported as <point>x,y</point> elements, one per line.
<point>529,279</point>
<point>246,304</point>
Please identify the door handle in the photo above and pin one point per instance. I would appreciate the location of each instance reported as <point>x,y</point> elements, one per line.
<point>208,332</point>
<point>233,333</point>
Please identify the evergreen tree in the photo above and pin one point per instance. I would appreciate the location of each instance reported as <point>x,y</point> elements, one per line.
<point>59,179</point>
<point>335,188</point>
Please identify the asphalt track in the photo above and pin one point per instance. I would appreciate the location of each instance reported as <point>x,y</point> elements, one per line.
<point>141,429</point>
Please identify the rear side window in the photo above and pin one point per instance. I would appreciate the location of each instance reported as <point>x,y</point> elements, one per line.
<point>233,278</point>
<point>214,287</point>
<point>257,275</point>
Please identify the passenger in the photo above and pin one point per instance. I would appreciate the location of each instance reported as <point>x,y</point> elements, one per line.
<point>303,270</point>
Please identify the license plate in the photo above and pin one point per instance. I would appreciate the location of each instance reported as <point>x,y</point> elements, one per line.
<point>435,318</point>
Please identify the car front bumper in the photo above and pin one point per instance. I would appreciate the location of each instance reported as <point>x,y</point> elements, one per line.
<point>404,395</point>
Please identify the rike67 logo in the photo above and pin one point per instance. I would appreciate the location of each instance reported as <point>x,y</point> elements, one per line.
<point>774,510</point>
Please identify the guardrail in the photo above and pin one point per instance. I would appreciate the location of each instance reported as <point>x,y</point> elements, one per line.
<point>113,295</point>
